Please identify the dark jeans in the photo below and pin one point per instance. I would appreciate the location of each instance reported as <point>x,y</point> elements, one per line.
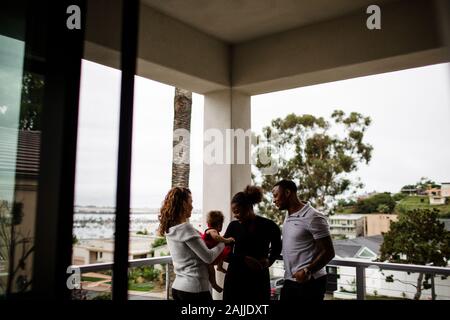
<point>313,289</point>
<point>200,297</point>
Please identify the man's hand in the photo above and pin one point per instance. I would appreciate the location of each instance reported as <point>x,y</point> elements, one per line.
<point>253,264</point>
<point>301,276</point>
<point>256,265</point>
<point>265,263</point>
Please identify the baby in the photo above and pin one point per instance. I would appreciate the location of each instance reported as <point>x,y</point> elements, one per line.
<point>212,237</point>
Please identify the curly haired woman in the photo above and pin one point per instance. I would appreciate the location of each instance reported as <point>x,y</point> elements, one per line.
<point>190,255</point>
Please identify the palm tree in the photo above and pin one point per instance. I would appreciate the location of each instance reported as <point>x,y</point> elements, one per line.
<point>181,146</point>
<point>181,143</point>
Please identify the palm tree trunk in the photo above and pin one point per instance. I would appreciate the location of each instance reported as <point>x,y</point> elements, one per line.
<point>181,141</point>
<point>180,148</point>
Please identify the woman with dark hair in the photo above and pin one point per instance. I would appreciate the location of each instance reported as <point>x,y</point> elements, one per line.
<point>190,255</point>
<point>257,245</point>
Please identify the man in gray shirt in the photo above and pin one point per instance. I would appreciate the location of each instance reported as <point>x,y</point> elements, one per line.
<point>307,245</point>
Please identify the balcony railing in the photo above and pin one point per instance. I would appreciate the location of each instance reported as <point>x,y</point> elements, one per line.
<point>356,263</point>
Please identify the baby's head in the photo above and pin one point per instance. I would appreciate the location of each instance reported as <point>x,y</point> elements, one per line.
<point>215,220</point>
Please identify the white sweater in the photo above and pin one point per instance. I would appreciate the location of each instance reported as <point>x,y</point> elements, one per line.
<point>190,258</point>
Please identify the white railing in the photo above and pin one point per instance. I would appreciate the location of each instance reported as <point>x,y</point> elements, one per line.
<point>356,263</point>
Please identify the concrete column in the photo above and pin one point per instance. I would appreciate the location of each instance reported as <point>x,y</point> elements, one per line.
<point>241,119</point>
<point>230,171</point>
<point>225,110</point>
<point>216,176</point>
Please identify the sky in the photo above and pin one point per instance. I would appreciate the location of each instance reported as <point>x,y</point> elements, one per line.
<point>410,131</point>
<point>152,140</point>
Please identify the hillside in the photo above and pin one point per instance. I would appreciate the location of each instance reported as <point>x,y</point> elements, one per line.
<point>420,202</point>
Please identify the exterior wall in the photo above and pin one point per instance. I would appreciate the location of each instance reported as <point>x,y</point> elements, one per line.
<point>436,200</point>
<point>85,252</point>
<point>376,283</point>
<point>433,192</point>
<point>445,190</point>
<point>80,255</point>
<point>26,193</point>
<point>378,223</point>
<point>344,226</point>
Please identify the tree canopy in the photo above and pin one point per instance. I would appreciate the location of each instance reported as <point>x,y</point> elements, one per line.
<point>318,155</point>
<point>418,237</point>
<point>380,202</point>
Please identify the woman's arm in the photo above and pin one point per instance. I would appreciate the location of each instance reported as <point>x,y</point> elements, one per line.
<point>201,250</point>
<point>275,243</point>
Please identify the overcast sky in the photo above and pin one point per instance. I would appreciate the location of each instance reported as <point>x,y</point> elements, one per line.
<point>410,129</point>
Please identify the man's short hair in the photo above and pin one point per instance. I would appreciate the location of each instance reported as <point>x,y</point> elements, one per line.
<point>287,185</point>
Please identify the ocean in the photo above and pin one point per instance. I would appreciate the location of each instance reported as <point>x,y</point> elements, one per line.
<point>99,223</point>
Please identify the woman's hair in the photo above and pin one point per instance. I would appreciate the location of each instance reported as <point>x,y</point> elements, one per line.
<point>214,219</point>
<point>174,205</point>
<point>249,197</point>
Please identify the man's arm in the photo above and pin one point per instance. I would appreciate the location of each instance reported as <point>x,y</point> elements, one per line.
<point>323,254</point>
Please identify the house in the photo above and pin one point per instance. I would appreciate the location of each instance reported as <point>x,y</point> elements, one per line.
<point>347,226</point>
<point>361,248</point>
<point>433,191</point>
<point>102,250</point>
<point>19,163</point>
<point>376,224</point>
<point>445,189</point>
<point>436,200</point>
<point>368,248</point>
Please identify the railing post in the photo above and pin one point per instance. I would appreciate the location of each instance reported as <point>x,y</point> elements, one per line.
<point>433,288</point>
<point>360,282</point>
<point>167,281</point>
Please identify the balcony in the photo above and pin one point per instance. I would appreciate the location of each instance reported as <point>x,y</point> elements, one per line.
<point>360,284</point>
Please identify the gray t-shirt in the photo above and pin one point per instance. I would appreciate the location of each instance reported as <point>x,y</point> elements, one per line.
<point>300,230</point>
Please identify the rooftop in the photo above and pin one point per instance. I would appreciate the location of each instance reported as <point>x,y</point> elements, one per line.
<point>350,216</point>
<point>24,163</point>
<point>350,247</point>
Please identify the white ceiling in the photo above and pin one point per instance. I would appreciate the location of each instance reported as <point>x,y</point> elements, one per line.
<point>236,21</point>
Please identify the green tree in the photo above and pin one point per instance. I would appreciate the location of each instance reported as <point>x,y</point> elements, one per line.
<point>383,208</point>
<point>307,152</point>
<point>425,182</point>
<point>399,196</point>
<point>375,203</point>
<point>159,242</point>
<point>32,101</point>
<point>418,237</point>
